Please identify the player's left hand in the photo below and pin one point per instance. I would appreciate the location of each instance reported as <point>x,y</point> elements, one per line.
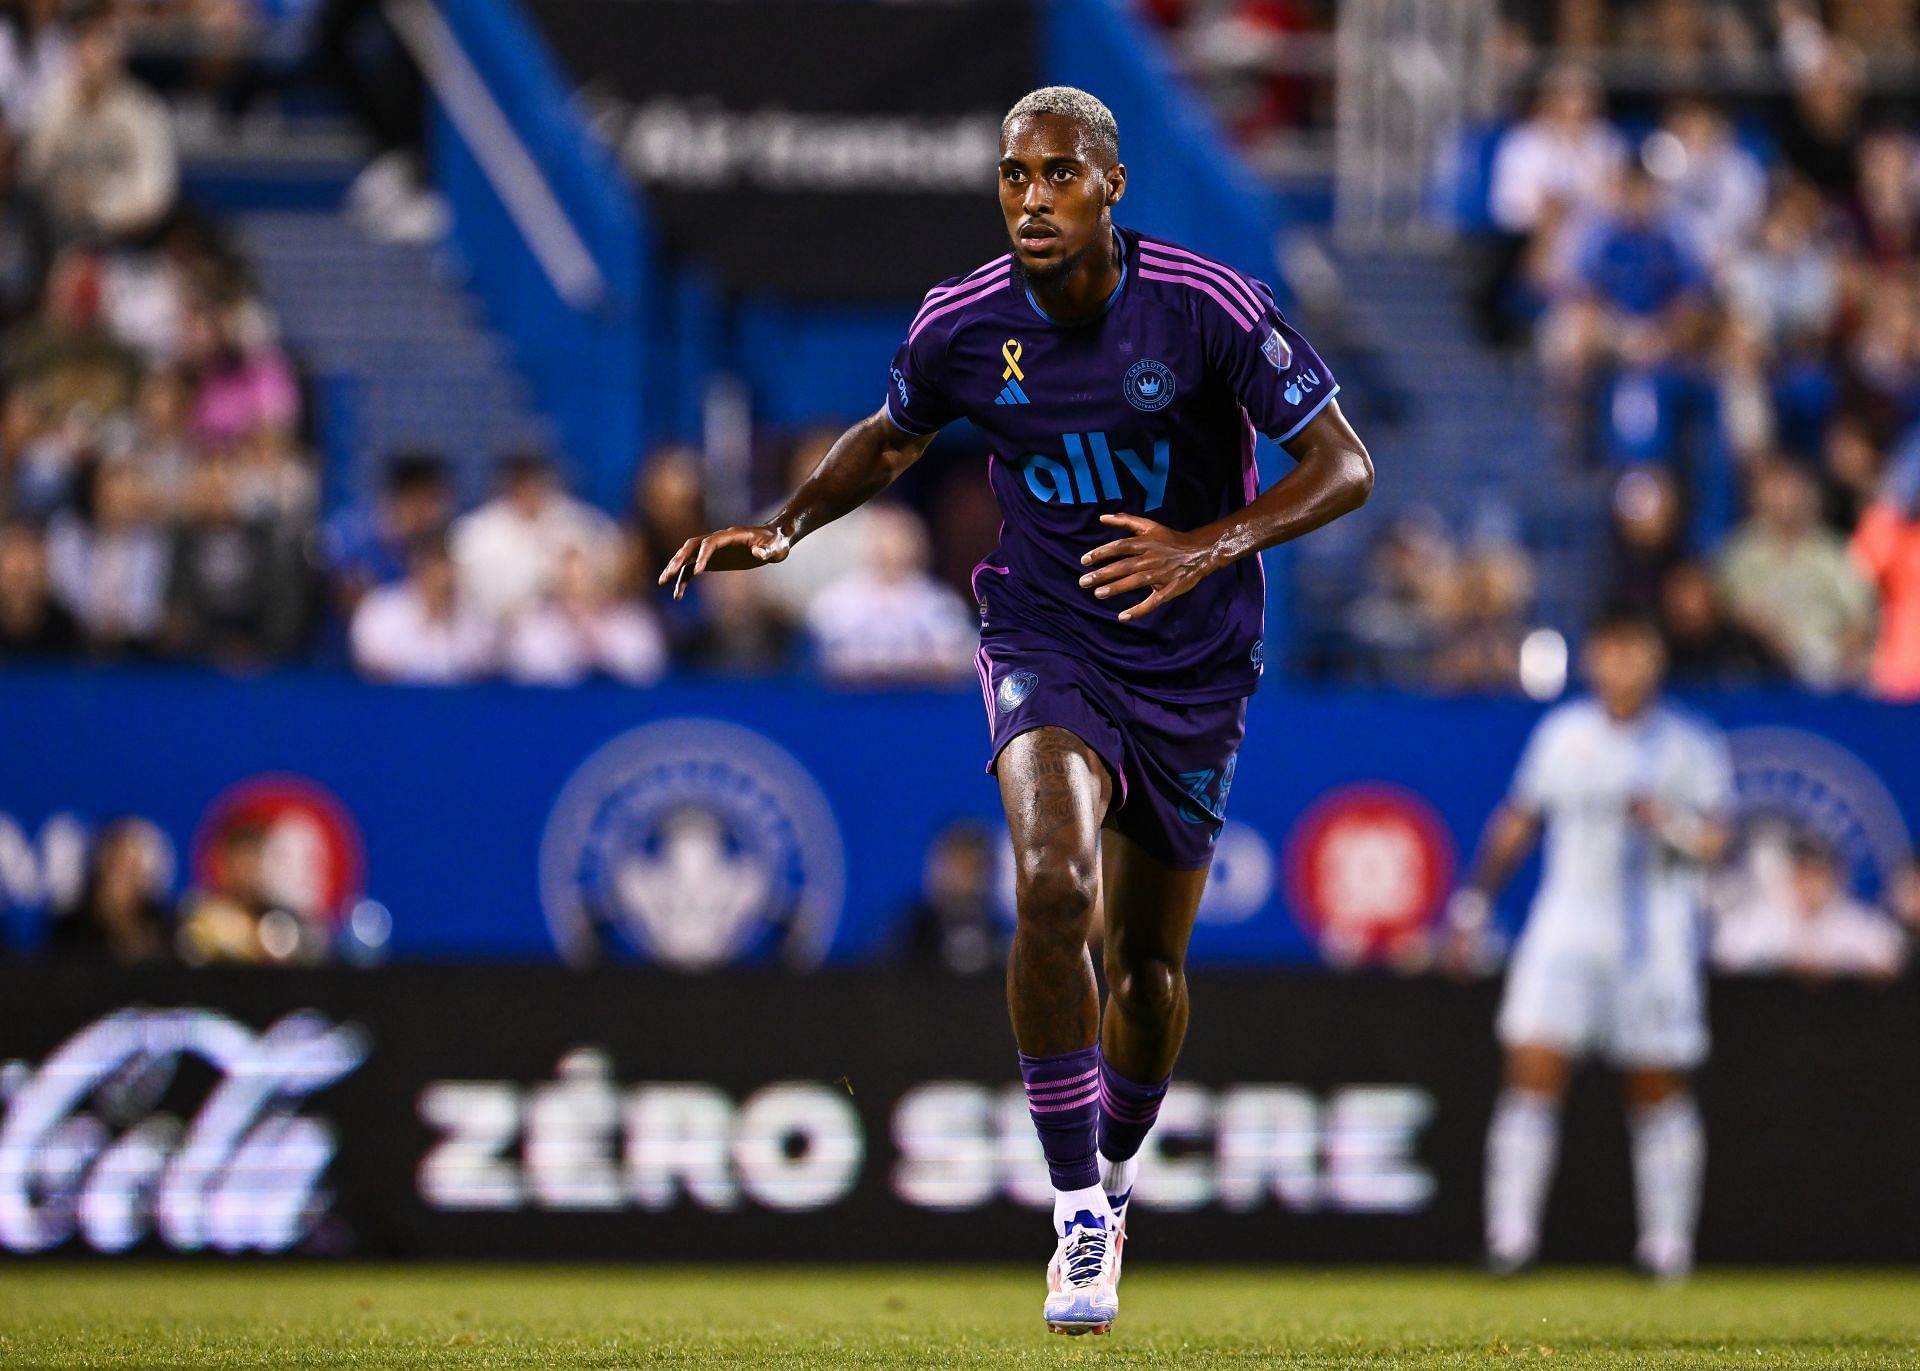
<point>1168,561</point>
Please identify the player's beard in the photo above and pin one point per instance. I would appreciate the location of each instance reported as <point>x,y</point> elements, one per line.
<point>1046,278</point>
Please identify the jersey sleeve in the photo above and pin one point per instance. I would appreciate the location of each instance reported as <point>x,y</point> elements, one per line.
<point>917,401</point>
<point>1532,789</point>
<point>1274,372</point>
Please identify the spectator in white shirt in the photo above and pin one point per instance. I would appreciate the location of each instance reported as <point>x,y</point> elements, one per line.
<point>892,622</point>
<point>509,549</point>
<point>1810,926</point>
<point>109,561</point>
<point>582,630</point>
<point>421,631</point>
<point>102,151</point>
<point>1563,157</point>
<point>1785,285</point>
<point>1714,186</point>
<point>1550,174</point>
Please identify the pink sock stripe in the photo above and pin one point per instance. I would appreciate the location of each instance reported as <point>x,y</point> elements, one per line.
<point>1063,1082</point>
<point>1080,1102</point>
<point>1246,324</point>
<point>1047,1096</point>
<point>999,282</point>
<point>1226,275</point>
<point>942,292</point>
<point>1051,1097</point>
<point>1127,1112</point>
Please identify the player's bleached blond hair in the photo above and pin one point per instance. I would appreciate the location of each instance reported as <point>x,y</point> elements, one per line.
<point>1070,102</point>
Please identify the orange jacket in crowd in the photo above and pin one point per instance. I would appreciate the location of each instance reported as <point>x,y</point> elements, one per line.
<point>1886,546</point>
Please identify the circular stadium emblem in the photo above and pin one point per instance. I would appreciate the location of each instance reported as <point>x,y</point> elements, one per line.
<point>1149,385</point>
<point>1791,785</point>
<point>313,860</point>
<point>693,843</point>
<point>1368,867</point>
<point>1015,686</point>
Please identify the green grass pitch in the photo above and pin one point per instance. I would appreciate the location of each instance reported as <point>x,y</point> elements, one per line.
<point>436,1316</point>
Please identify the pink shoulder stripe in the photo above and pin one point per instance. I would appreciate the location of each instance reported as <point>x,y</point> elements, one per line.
<point>939,293</point>
<point>1200,283</point>
<point>980,291</point>
<point>1226,275</point>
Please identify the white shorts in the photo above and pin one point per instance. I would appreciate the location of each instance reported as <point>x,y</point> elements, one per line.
<point>1647,1013</point>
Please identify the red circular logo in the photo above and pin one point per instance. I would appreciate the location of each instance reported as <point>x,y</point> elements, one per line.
<point>312,857</point>
<point>1368,869</point>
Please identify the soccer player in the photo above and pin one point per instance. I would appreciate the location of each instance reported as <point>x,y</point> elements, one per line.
<point>1633,796</point>
<point>1119,380</point>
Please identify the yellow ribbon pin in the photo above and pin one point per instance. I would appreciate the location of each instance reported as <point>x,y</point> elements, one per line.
<point>1011,351</point>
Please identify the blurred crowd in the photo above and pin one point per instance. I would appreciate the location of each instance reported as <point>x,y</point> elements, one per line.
<point>1724,300</point>
<point>160,499</point>
<point>155,489</point>
<point>539,587</point>
<point>1266,65</point>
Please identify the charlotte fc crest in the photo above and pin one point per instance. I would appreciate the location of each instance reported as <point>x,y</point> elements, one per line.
<point>1149,385</point>
<point>1015,686</point>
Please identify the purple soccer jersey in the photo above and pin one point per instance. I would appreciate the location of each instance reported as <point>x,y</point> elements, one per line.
<point>1149,408</point>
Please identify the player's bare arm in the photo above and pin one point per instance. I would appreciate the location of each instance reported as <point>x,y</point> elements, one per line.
<point>1511,834</point>
<point>868,458</point>
<point>1332,476</point>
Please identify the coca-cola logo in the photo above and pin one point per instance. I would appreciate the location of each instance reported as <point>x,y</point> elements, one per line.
<point>103,1139</point>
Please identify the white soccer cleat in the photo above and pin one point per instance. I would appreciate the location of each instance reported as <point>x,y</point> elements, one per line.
<point>1083,1279</point>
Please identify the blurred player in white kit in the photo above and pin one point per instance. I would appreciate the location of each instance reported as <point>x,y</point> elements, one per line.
<point>1633,796</point>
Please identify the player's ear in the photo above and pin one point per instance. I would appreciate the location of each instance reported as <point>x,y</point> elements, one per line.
<point>1116,183</point>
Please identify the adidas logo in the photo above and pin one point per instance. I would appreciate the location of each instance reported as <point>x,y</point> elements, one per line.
<point>1011,394</point>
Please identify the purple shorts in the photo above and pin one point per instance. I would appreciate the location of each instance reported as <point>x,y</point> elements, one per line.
<point>1172,763</point>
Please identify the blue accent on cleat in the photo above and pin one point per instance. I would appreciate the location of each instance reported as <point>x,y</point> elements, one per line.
<point>1086,1218</point>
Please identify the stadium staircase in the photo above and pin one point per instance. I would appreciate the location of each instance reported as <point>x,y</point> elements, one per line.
<point>1472,446</point>
<point>396,348</point>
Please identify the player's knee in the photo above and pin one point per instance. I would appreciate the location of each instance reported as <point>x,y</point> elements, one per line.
<point>1146,988</point>
<point>1645,1089</point>
<point>1056,893</point>
<point>1538,1070</point>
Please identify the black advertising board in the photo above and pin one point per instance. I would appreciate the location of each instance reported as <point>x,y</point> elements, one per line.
<point>815,149</point>
<point>530,1113</point>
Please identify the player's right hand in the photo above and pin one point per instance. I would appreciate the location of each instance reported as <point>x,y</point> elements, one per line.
<point>1464,949</point>
<point>728,549</point>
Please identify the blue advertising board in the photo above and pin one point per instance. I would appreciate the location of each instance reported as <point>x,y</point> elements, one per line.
<point>712,823</point>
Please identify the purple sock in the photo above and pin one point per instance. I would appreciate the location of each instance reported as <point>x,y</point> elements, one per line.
<point>1063,1093</point>
<point>1127,1112</point>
